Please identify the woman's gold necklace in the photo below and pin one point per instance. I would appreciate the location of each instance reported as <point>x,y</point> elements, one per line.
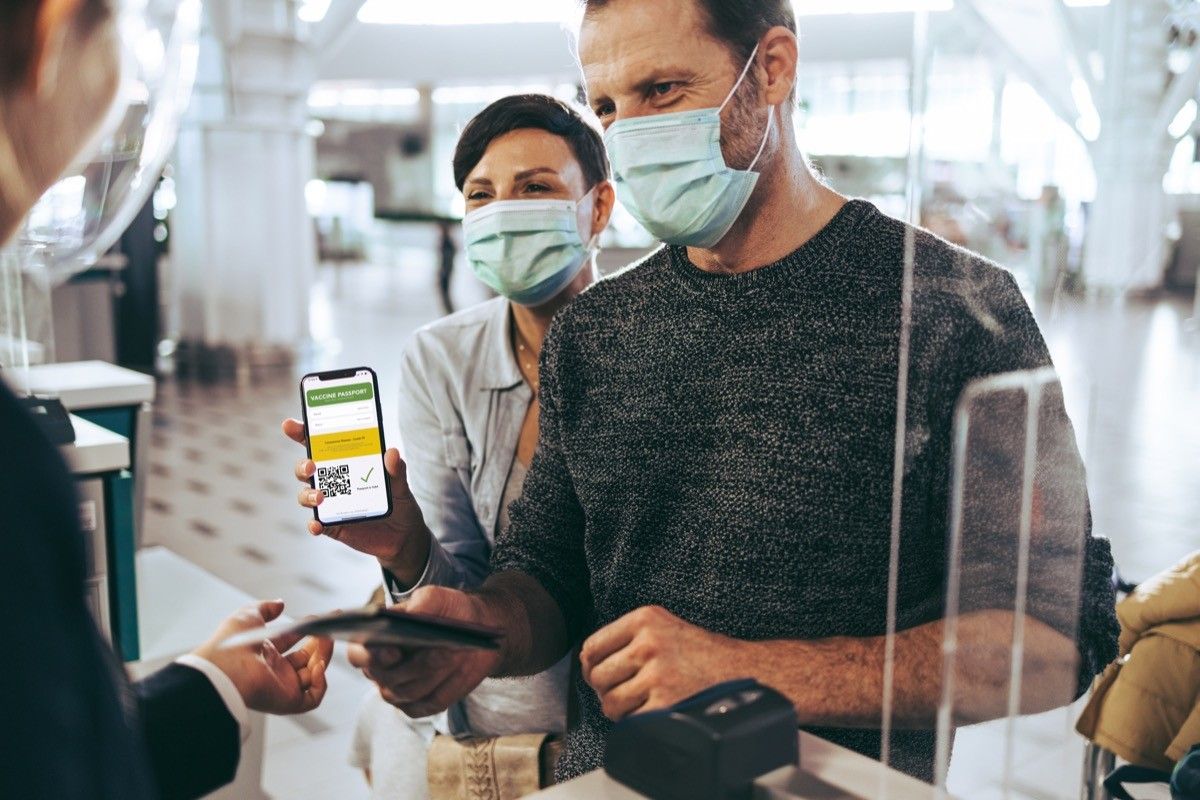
<point>527,360</point>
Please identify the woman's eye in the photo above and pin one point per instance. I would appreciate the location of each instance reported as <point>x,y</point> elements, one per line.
<point>604,110</point>
<point>477,196</point>
<point>537,187</point>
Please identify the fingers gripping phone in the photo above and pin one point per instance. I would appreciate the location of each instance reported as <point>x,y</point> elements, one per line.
<point>344,426</point>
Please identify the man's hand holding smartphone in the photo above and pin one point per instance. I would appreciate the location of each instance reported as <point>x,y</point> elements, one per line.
<point>400,541</point>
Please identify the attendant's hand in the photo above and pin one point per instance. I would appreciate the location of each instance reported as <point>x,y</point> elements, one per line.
<point>650,659</point>
<point>424,681</point>
<point>400,542</point>
<point>267,680</point>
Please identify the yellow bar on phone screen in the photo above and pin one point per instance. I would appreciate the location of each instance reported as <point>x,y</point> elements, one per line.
<point>346,444</point>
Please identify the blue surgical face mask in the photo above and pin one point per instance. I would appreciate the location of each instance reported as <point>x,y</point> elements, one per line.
<point>527,250</point>
<point>672,177</point>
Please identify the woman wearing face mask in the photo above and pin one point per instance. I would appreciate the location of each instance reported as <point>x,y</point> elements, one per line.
<point>535,179</point>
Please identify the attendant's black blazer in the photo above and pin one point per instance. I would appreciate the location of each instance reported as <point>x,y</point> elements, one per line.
<point>71,724</point>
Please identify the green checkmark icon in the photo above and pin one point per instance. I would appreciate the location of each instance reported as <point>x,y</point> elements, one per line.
<point>367,477</point>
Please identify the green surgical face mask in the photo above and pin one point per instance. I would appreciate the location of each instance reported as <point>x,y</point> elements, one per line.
<point>672,177</point>
<point>526,250</point>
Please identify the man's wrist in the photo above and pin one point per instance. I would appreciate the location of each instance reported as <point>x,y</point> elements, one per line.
<point>495,608</point>
<point>740,659</point>
<point>791,667</point>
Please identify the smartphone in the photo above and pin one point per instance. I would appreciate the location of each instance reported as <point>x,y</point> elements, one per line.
<point>344,422</point>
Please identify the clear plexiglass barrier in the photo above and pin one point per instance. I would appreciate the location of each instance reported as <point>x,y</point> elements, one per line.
<point>994,570</point>
<point>82,215</point>
<point>1017,556</point>
<point>999,601</point>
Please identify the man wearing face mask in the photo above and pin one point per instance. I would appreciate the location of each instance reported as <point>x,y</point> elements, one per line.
<point>712,492</point>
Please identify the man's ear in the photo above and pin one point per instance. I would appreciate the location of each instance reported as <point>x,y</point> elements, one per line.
<point>602,206</point>
<point>50,26</point>
<point>779,56</point>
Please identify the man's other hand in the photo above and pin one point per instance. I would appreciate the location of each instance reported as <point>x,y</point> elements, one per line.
<point>650,659</point>
<point>268,680</point>
<point>424,681</point>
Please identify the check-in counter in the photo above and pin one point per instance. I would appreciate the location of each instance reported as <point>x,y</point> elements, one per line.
<point>99,462</point>
<point>827,772</point>
<point>115,399</point>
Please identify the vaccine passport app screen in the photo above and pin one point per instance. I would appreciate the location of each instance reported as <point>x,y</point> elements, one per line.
<point>343,437</point>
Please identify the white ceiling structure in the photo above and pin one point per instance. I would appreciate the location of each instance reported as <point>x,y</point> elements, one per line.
<point>1042,43</point>
<point>1051,44</point>
<point>448,54</point>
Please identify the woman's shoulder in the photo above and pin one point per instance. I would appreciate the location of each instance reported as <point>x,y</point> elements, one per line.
<point>449,349</point>
<point>462,332</point>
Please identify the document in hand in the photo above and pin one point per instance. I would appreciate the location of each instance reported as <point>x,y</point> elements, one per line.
<point>386,626</point>
<point>382,626</point>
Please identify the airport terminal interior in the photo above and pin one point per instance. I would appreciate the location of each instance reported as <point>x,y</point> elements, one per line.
<point>300,215</point>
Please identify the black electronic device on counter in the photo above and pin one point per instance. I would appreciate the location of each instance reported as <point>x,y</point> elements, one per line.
<point>710,746</point>
<point>52,417</point>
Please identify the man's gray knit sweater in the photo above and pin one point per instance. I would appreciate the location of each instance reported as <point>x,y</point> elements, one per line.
<point>722,446</point>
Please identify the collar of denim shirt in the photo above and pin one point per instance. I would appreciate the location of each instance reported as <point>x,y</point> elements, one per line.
<point>500,370</point>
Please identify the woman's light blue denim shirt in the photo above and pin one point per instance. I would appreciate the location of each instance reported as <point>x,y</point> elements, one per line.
<point>462,404</point>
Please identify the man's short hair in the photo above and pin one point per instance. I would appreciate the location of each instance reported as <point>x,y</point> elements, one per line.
<point>740,24</point>
<point>520,111</point>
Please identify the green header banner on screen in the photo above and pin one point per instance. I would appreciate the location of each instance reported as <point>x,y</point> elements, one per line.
<point>341,394</point>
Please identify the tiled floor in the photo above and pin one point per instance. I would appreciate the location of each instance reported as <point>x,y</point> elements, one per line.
<point>221,491</point>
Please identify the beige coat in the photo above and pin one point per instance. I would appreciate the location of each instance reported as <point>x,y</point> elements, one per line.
<point>1145,706</point>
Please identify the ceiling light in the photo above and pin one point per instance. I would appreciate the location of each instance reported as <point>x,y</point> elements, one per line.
<point>1183,120</point>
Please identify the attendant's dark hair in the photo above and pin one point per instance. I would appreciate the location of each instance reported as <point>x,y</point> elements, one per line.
<point>538,111</point>
<point>738,23</point>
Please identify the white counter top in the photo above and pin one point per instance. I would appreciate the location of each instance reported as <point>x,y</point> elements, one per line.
<point>95,450</point>
<point>86,384</point>
<point>829,772</point>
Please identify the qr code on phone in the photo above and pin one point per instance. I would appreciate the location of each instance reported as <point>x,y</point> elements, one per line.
<point>334,481</point>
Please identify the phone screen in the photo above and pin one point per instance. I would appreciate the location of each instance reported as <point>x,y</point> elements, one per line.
<point>345,439</point>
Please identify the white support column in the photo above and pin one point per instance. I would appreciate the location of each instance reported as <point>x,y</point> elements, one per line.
<point>1126,245</point>
<point>1126,241</point>
<point>244,253</point>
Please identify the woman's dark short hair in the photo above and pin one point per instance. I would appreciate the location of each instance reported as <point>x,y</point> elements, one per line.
<point>538,111</point>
